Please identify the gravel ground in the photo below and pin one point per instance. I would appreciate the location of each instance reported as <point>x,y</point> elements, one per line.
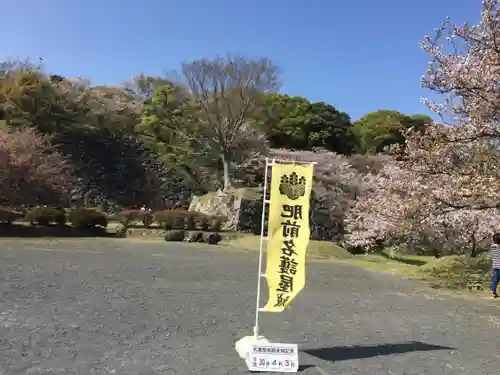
<point>121,307</point>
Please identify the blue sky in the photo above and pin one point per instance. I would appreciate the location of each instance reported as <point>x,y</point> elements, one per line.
<point>359,56</point>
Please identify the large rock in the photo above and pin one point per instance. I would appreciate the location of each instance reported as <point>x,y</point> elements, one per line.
<point>231,204</point>
<point>242,207</point>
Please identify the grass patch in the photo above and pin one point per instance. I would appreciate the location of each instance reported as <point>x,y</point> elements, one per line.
<point>449,272</point>
<point>317,249</point>
<point>380,263</point>
<point>457,272</point>
<point>326,250</point>
<point>411,260</point>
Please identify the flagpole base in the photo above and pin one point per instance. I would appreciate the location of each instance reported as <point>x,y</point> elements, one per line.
<point>244,346</point>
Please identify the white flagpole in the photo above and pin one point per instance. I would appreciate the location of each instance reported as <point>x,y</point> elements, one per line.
<point>244,345</point>
<point>261,248</point>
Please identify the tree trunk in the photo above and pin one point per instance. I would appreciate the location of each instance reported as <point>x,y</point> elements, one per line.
<point>473,250</point>
<point>225,164</point>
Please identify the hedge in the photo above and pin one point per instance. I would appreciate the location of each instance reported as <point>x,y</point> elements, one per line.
<point>175,235</point>
<point>128,217</point>
<point>190,220</point>
<point>8,216</point>
<point>87,218</point>
<point>45,216</point>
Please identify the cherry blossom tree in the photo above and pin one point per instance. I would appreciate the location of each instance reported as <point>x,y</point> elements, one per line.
<point>442,186</point>
<point>331,170</point>
<point>333,173</point>
<point>31,170</point>
<point>466,71</point>
<point>397,207</point>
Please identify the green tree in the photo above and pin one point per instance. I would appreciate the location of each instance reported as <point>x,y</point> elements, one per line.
<point>420,121</point>
<point>287,121</point>
<point>28,97</point>
<point>382,128</point>
<point>331,129</point>
<point>164,114</point>
<point>295,123</point>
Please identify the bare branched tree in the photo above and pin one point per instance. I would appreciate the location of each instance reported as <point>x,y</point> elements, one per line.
<point>226,94</point>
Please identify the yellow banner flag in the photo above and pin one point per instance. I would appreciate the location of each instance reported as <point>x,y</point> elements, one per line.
<point>288,233</point>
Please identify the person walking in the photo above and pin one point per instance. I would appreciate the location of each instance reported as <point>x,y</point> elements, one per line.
<point>495,260</point>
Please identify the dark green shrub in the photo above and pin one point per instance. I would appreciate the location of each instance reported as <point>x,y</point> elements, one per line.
<point>175,235</point>
<point>8,216</point>
<point>87,218</point>
<point>173,219</point>
<point>45,216</point>
<point>212,238</point>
